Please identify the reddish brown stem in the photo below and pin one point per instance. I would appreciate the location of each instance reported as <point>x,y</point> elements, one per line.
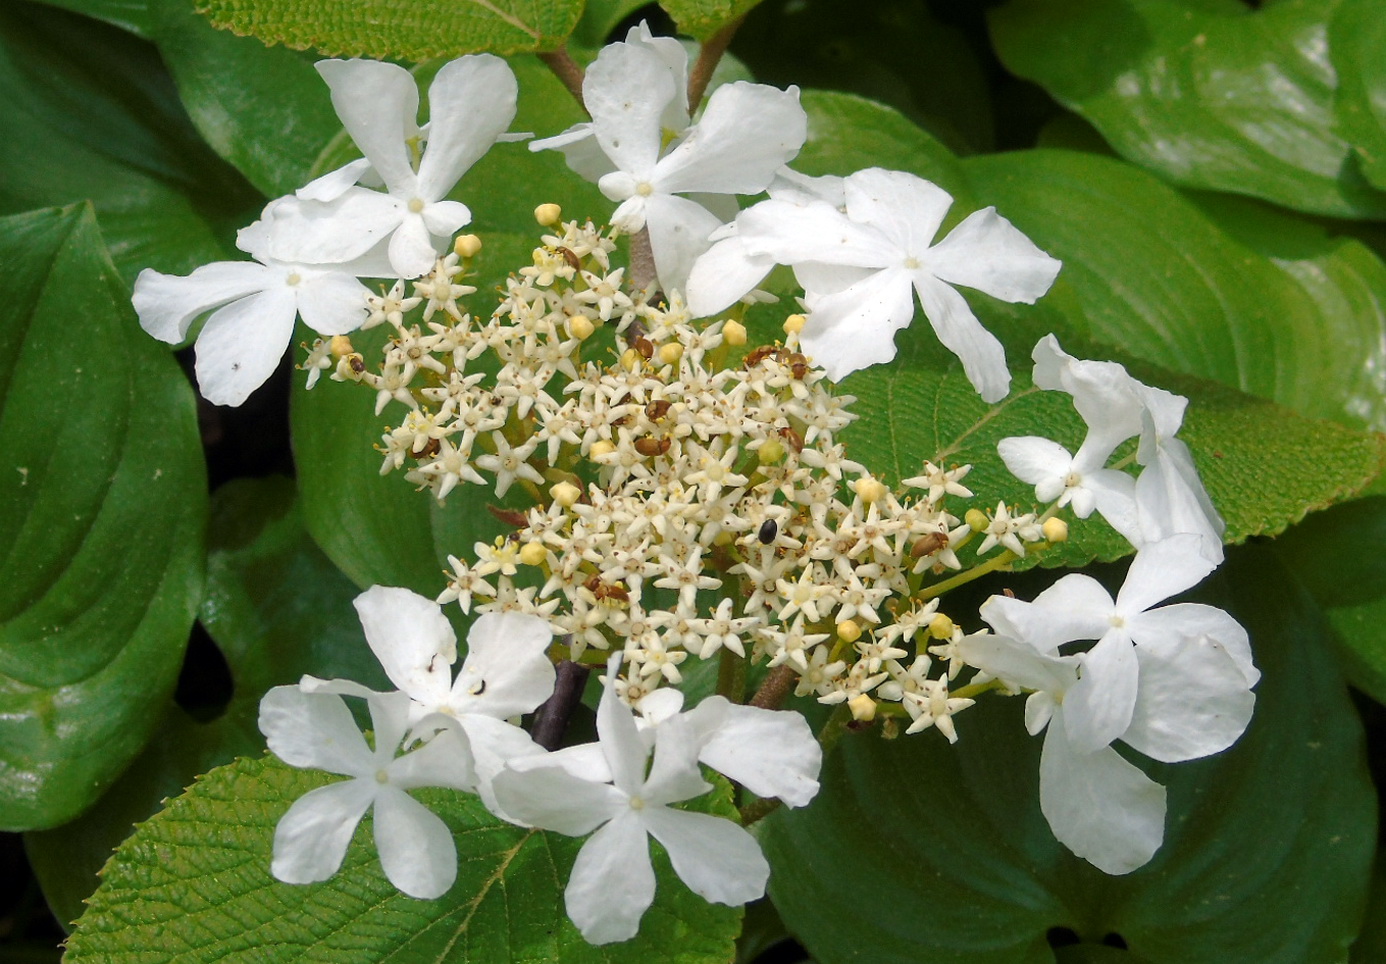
<point>566,69</point>
<point>642,265</point>
<point>551,719</point>
<point>774,688</point>
<point>708,58</point>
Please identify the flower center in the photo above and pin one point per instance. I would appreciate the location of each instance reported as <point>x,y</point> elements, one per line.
<point>644,189</point>
<point>293,278</point>
<point>381,776</point>
<point>637,803</point>
<point>912,263</point>
<point>416,205</point>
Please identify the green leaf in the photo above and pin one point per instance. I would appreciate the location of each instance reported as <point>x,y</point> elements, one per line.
<point>102,507</point>
<point>1209,93</point>
<point>91,114</point>
<point>703,18</point>
<point>599,19</point>
<point>277,609</point>
<point>263,109</point>
<point>193,884</point>
<point>414,30</point>
<point>1357,35</point>
<point>1267,846</point>
<point>132,15</point>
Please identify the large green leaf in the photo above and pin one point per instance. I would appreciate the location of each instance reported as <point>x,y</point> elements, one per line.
<point>1209,93</point>
<point>276,608</point>
<point>193,884</point>
<point>91,114</point>
<point>102,507</point>
<point>1357,35</point>
<point>414,30</point>
<point>703,18</point>
<point>132,15</point>
<point>1267,851</point>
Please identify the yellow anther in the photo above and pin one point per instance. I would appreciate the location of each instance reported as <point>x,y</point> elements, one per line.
<point>548,214</point>
<point>630,359</point>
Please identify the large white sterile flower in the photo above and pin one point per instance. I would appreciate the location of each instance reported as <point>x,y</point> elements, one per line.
<point>746,133</point>
<point>471,103</point>
<point>613,882</point>
<point>507,672</point>
<point>253,305</point>
<point>1101,705</point>
<point>861,269</point>
<point>317,730</point>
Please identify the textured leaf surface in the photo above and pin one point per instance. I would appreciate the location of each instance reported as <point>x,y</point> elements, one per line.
<point>1357,35</point>
<point>703,18</point>
<point>193,884</point>
<point>1209,93</point>
<point>1267,849</point>
<point>102,511</point>
<point>401,29</point>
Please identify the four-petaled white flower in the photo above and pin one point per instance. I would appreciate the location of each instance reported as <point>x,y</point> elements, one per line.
<point>471,102</point>
<point>613,882</point>
<point>861,267</point>
<point>317,730</point>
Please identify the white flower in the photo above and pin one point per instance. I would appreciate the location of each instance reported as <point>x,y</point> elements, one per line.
<point>255,307</point>
<point>507,672</point>
<point>861,269</point>
<point>1102,704</point>
<point>613,882</point>
<point>471,103</point>
<point>747,132</point>
<point>316,730</point>
<point>1193,701</point>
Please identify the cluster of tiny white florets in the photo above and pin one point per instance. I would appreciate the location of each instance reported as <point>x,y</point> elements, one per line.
<point>691,496</point>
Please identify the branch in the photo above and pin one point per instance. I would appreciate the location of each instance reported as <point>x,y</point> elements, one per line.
<point>566,69</point>
<point>551,719</point>
<point>708,57</point>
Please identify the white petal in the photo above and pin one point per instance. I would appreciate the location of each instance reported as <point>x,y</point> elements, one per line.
<point>1161,570</point>
<point>412,249</point>
<point>1075,607</point>
<point>1193,701</point>
<point>443,218</point>
<point>773,753</point>
<point>494,743</point>
<point>983,358</point>
<point>1103,393</point>
<point>331,302</point>
<point>621,744</point>
<point>312,838</point>
<point>746,134</point>
<point>507,671</point>
<point>905,208</point>
<point>679,229</point>
<point>1114,496</point>
<point>242,343</point>
<point>389,722</point>
<point>797,188</point>
<point>333,184</point>
<point>1164,625</point>
<point>444,761</point>
<point>674,775</point>
<point>855,328</point>
<point>675,57</point>
<point>470,103</point>
<point>552,798</point>
<point>626,90</point>
<point>584,761</point>
<point>660,705</point>
<point>719,861</point>
<point>379,107</point>
<point>331,233</point>
<point>1098,709</point>
<point>313,730</point>
<point>412,639</point>
<point>613,882</point>
<point>580,149</point>
<point>1035,460</point>
<point>1171,499</point>
<point>1099,806</point>
<point>167,304</point>
<point>722,275</point>
<point>415,846</point>
<point>988,253</point>
<point>1018,662</point>
<point>792,233</point>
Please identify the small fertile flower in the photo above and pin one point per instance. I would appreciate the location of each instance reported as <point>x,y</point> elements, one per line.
<point>317,730</point>
<point>613,882</point>
<point>747,132</point>
<point>253,305</point>
<point>1100,706</point>
<point>862,266</point>
<point>471,103</point>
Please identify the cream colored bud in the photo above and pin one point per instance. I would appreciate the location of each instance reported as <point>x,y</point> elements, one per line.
<point>734,333</point>
<point>977,520</point>
<point>849,631</point>
<point>770,451</point>
<point>533,554</point>
<point>601,448</point>
<point>670,353</point>
<point>870,490</point>
<point>794,324</point>
<point>863,707</point>
<point>941,627</point>
<point>548,214</point>
<point>630,359</point>
<point>467,245</point>
<point>565,494</point>
<point>581,327</point>
<point>340,346</point>
<point>1055,530</point>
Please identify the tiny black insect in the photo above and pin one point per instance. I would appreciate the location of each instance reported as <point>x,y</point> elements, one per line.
<point>768,532</point>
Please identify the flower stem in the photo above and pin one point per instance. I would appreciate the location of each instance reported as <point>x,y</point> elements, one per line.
<point>966,576</point>
<point>551,719</point>
<point>731,676</point>
<point>774,688</point>
<point>642,265</point>
<point>708,57</point>
<point>566,69</point>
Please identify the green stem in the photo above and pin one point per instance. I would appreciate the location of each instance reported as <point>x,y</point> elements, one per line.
<point>731,676</point>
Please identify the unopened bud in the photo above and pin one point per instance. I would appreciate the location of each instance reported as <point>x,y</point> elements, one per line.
<point>630,359</point>
<point>734,333</point>
<point>467,245</point>
<point>1055,530</point>
<point>669,354</point>
<point>977,520</point>
<point>870,490</point>
<point>548,214</point>
<point>533,554</point>
<point>340,346</point>
<point>863,707</point>
<point>770,452</point>
<point>794,324</point>
<point>601,448</point>
<point>565,494</point>
<point>848,631</point>
<point>580,327</point>
<point>941,627</point>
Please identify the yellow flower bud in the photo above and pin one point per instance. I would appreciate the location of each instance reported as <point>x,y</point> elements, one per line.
<point>870,490</point>
<point>601,448</point>
<point>565,494</point>
<point>467,245</point>
<point>630,359</point>
<point>580,327</point>
<point>770,452</point>
<point>533,554</point>
<point>863,707</point>
<point>340,346</point>
<point>548,214</point>
<point>794,324</point>
<point>1055,530</point>
<point>940,627</point>
<point>848,631</point>
<point>670,353</point>
<point>734,333</point>
<point>977,519</point>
